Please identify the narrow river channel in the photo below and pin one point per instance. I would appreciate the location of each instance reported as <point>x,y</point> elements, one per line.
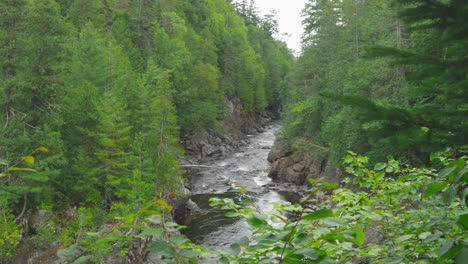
<point>247,167</point>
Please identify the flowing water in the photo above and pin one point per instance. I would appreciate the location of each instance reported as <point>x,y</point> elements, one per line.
<point>247,167</point>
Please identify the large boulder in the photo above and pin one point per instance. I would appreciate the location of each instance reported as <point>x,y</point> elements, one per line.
<point>279,150</point>
<point>297,167</point>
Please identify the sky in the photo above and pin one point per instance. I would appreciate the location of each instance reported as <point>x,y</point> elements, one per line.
<point>289,19</point>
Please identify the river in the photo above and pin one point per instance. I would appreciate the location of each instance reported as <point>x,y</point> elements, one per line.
<point>247,167</point>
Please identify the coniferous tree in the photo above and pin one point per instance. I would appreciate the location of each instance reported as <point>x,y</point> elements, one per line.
<point>435,116</point>
<point>110,86</point>
<point>337,34</point>
<point>156,140</point>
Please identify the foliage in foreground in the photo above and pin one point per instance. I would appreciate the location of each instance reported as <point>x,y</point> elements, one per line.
<point>399,215</point>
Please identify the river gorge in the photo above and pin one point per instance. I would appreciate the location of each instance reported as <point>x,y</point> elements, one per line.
<point>248,166</point>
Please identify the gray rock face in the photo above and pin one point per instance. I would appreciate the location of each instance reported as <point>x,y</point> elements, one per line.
<point>298,167</point>
<point>279,150</point>
<point>208,144</point>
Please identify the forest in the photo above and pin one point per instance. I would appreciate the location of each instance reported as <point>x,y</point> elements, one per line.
<point>97,96</point>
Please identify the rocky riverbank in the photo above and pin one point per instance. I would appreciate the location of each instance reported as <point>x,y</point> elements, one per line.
<point>204,146</point>
<point>232,134</point>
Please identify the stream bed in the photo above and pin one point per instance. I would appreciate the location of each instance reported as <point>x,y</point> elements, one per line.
<point>246,167</point>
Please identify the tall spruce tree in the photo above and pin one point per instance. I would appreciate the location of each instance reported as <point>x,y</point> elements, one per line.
<point>435,117</point>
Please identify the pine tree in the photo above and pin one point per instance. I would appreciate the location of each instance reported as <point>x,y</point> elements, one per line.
<point>435,117</point>
<point>113,143</point>
<point>155,142</point>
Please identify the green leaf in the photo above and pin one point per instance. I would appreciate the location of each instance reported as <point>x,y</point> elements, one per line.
<point>461,162</point>
<point>256,221</point>
<point>3,175</point>
<point>155,219</point>
<point>161,248</point>
<point>231,214</point>
<point>68,252</point>
<point>81,259</point>
<point>348,159</point>
<point>179,239</point>
<point>403,238</point>
<point>171,224</point>
<point>21,169</point>
<point>103,241</point>
<point>464,196</point>
<point>333,222</point>
<point>3,162</point>
<point>216,201</point>
<point>190,254</point>
<point>448,245</point>
<point>152,232</point>
<point>447,171</point>
<point>450,254</point>
<point>319,214</point>
<point>42,149</point>
<point>29,159</point>
<point>360,237</point>
<point>129,218</point>
<point>223,260</point>
<point>433,237</point>
<point>380,166</point>
<point>294,259</point>
<point>333,237</point>
<point>234,249</point>
<point>459,175</point>
<point>164,204</point>
<point>450,193</point>
<point>266,260</point>
<point>463,221</point>
<point>268,238</point>
<point>433,188</point>
<point>308,252</point>
<point>424,235</point>
<point>242,241</point>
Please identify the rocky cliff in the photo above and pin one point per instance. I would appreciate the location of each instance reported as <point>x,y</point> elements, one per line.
<point>203,145</point>
<point>296,167</point>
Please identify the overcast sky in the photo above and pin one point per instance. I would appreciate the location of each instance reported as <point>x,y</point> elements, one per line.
<point>289,19</point>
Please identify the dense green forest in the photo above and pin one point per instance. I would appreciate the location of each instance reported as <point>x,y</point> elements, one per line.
<point>97,94</point>
<point>381,78</point>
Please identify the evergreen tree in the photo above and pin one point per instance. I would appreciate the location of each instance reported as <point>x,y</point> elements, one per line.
<point>435,117</point>
<point>337,34</point>
<point>113,141</point>
<point>157,136</point>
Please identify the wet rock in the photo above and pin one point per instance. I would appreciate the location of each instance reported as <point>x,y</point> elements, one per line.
<point>298,167</point>
<point>37,218</point>
<point>184,212</point>
<point>279,150</point>
<point>208,144</point>
<point>191,207</point>
<point>294,177</point>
